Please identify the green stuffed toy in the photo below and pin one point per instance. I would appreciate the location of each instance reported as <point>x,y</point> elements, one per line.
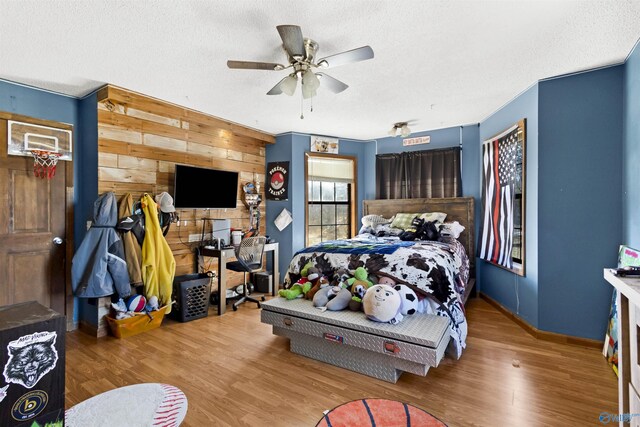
<point>301,287</point>
<point>358,285</point>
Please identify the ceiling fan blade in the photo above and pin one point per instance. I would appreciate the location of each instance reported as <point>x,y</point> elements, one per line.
<point>292,40</point>
<point>354,55</point>
<point>334,85</point>
<point>251,65</point>
<point>277,89</point>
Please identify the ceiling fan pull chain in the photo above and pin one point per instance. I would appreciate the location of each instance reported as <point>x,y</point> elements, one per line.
<point>301,106</point>
<point>312,103</point>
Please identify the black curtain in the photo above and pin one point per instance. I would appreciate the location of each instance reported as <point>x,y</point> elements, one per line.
<point>419,174</point>
<point>390,176</point>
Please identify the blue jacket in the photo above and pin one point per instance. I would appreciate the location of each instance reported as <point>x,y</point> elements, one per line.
<point>98,268</point>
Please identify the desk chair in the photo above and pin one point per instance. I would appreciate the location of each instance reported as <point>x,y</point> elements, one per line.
<point>249,260</point>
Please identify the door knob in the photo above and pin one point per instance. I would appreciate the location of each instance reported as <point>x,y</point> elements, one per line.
<point>57,241</point>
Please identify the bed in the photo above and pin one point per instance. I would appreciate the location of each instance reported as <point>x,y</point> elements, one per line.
<point>441,273</point>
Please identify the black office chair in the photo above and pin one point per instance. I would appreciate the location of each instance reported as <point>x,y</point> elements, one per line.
<point>249,260</point>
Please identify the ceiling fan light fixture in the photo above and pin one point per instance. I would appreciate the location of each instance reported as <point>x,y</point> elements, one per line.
<point>405,131</point>
<point>393,131</point>
<point>289,84</point>
<point>310,80</point>
<point>308,92</point>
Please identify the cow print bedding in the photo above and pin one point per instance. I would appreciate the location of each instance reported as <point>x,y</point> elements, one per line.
<point>437,271</point>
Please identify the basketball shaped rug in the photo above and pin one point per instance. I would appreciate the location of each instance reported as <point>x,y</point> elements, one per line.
<point>138,405</point>
<point>378,413</point>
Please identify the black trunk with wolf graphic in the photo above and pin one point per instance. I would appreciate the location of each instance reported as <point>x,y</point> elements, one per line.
<point>32,362</point>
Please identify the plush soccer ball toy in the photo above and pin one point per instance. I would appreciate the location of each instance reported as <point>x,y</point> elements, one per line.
<point>136,303</point>
<point>409,299</point>
<point>382,304</point>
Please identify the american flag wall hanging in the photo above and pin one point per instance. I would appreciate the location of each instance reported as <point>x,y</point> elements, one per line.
<point>500,175</point>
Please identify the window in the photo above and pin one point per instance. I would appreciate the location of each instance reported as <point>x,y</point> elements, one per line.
<point>330,197</point>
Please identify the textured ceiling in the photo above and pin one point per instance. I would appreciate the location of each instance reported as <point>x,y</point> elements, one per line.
<point>439,63</point>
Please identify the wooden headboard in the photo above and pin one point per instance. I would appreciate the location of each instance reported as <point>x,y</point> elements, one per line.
<point>459,209</point>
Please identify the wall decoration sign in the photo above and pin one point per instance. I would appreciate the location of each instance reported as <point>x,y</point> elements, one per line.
<point>416,141</point>
<point>277,181</point>
<point>503,208</point>
<point>324,144</point>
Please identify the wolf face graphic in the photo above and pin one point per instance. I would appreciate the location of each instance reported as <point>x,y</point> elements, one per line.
<point>30,358</point>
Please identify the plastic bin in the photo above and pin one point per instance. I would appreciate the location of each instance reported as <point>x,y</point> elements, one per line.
<point>191,294</point>
<point>137,324</point>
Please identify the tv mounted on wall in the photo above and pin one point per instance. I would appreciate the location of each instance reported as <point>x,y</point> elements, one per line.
<point>201,188</point>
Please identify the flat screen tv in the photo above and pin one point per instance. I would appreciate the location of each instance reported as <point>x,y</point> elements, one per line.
<point>201,188</point>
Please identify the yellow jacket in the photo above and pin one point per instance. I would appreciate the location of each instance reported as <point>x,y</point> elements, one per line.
<point>158,264</point>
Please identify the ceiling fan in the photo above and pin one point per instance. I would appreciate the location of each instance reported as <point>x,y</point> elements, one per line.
<point>301,53</point>
<point>403,127</point>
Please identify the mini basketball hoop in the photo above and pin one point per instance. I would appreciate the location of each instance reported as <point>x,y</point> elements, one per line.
<point>44,163</point>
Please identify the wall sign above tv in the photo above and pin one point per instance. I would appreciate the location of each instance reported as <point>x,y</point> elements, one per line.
<point>202,188</point>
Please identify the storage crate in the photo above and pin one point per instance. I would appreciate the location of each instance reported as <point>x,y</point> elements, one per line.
<point>191,294</point>
<point>137,324</point>
<point>262,281</point>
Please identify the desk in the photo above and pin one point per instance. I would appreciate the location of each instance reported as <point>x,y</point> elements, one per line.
<point>223,255</point>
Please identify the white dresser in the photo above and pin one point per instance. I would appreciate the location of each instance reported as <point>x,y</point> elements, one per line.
<point>628,302</point>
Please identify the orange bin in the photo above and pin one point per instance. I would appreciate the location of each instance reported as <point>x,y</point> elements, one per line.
<point>136,324</point>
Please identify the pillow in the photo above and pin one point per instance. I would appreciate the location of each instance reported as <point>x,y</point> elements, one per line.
<point>373,220</point>
<point>434,216</point>
<point>387,230</point>
<point>403,220</point>
<point>451,229</point>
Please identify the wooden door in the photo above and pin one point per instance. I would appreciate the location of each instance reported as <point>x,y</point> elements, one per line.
<point>33,212</point>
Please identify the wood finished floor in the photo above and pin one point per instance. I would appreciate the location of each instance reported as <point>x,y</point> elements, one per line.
<point>235,372</point>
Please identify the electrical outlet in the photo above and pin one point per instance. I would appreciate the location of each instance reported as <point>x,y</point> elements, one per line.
<point>194,237</point>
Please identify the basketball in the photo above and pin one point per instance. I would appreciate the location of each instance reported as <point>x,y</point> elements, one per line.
<point>136,303</point>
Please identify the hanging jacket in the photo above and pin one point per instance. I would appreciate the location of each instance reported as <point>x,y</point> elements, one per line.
<point>132,249</point>
<point>158,264</point>
<point>98,268</point>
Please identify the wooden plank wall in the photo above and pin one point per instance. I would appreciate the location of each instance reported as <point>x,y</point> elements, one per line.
<point>141,139</point>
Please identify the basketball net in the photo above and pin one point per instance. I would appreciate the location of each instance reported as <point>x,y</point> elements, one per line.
<point>44,163</point>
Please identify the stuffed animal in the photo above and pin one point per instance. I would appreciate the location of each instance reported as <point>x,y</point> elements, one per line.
<point>409,299</point>
<point>322,282</point>
<point>384,280</point>
<point>152,303</point>
<point>359,283</point>
<point>340,277</point>
<point>302,286</point>
<point>355,304</point>
<point>428,231</point>
<point>312,273</point>
<point>382,304</point>
<point>334,298</point>
<point>413,232</point>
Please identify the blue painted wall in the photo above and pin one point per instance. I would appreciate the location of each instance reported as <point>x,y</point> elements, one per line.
<point>40,104</point>
<point>292,147</point>
<point>459,136</point>
<point>518,294</point>
<point>580,199</point>
<point>280,152</point>
<point>631,150</point>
